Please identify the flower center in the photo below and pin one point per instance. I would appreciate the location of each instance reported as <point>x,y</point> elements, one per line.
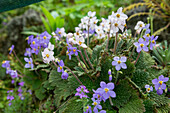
<point>67,52</point>
<point>3,62</point>
<point>141,45</point>
<point>29,62</point>
<point>47,55</point>
<point>153,41</point>
<point>59,32</point>
<point>94,22</point>
<point>80,42</point>
<point>148,89</point>
<point>98,96</point>
<point>77,33</point>
<point>45,37</point>
<point>119,62</point>
<point>87,107</point>
<point>27,38</point>
<point>118,15</point>
<point>74,50</point>
<point>34,49</point>
<point>95,103</point>
<point>61,67</point>
<point>160,82</point>
<point>140,25</point>
<point>9,48</point>
<point>125,25</point>
<point>116,24</point>
<point>106,90</point>
<point>100,34</point>
<point>148,35</point>
<point>33,42</point>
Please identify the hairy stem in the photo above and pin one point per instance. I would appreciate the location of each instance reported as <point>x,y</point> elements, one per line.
<point>110,100</point>
<point>18,58</point>
<point>88,36</point>
<point>70,71</point>
<point>117,75</point>
<point>137,57</point>
<point>115,45</point>
<point>83,58</point>
<point>107,41</point>
<point>81,64</point>
<point>88,59</point>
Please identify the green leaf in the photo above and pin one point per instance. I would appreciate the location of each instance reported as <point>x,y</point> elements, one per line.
<point>50,18</point>
<point>46,24</point>
<point>40,93</point>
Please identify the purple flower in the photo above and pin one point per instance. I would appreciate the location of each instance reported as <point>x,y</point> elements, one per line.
<point>146,26</point>
<point>88,109</point>
<point>98,96</point>
<point>96,104</point>
<point>102,111</point>
<point>109,72</point>
<point>106,90</point>
<point>148,88</point>
<point>19,89</point>
<point>44,39</point>
<point>12,81</point>
<point>10,97</point>
<point>60,67</point>
<point>34,43</point>
<point>72,50</point>
<point>35,49</point>
<point>29,63</point>
<point>11,49</point>
<point>21,83</point>
<point>30,92</point>
<point>119,63</point>
<point>159,84</point>
<point>14,74</point>
<point>5,64</point>
<point>153,41</point>
<point>10,91</point>
<point>64,75</point>
<point>8,70</point>
<point>147,35</point>
<point>29,39</point>
<point>141,45</point>
<point>28,52</point>
<point>10,104</point>
<point>81,91</point>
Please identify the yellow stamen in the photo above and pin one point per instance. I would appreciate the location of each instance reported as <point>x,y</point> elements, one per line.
<point>61,67</point>
<point>74,50</point>
<point>147,35</point>
<point>141,45</point>
<point>148,89</point>
<point>3,62</point>
<point>118,15</point>
<point>33,42</point>
<point>125,25</point>
<point>77,33</point>
<point>45,37</point>
<point>59,32</point>
<point>87,107</point>
<point>9,49</point>
<point>67,52</point>
<point>98,96</point>
<point>34,49</point>
<point>119,62</point>
<point>27,38</point>
<point>116,24</point>
<point>80,42</point>
<point>95,103</point>
<point>47,55</point>
<point>29,62</point>
<point>106,90</point>
<point>140,25</point>
<point>160,82</point>
<point>153,41</point>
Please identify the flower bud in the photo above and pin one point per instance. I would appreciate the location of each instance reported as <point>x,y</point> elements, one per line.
<point>110,78</point>
<point>109,72</point>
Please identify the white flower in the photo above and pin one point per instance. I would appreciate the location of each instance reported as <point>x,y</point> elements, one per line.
<point>72,40</point>
<point>69,35</point>
<point>47,55</point>
<point>100,34</point>
<point>50,46</point>
<point>78,32</point>
<point>115,25</point>
<point>62,32</point>
<point>80,41</point>
<point>139,26</point>
<point>91,14</point>
<point>98,29</point>
<point>55,36</point>
<point>119,14</point>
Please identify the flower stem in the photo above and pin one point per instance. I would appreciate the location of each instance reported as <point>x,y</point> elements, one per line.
<point>110,100</point>
<point>141,92</point>
<point>74,75</point>
<point>18,58</point>
<point>117,74</point>
<point>108,41</point>
<point>88,36</point>
<point>70,71</point>
<point>81,64</point>
<point>83,58</point>
<point>137,57</point>
<point>88,58</point>
<point>115,45</point>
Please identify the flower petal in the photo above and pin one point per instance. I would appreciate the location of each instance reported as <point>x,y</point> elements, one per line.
<point>123,59</point>
<point>103,84</point>
<point>163,86</point>
<point>105,95</point>
<point>114,63</point>
<point>155,81</point>
<point>110,86</point>
<point>159,91</point>
<point>112,94</point>
<point>139,49</point>
<point>116,58</point>
<point>161,77</point>
<point>123,65</point>
<point>146,86</point>
<point>165,79</point>
<point>118,67</point>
